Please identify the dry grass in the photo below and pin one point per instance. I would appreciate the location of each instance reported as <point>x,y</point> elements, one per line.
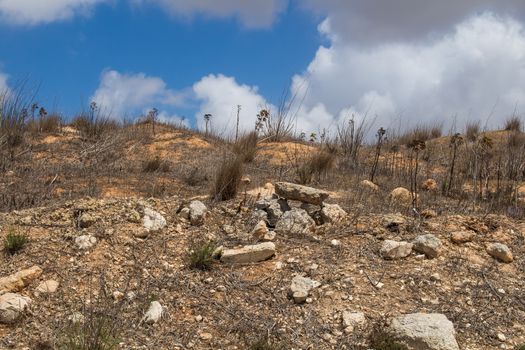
<point>227,179</point>
<point>513,124</point>
<point>472,130</point>
<point>421,133</point>
<point>14,242</point>
<point>246,147</point>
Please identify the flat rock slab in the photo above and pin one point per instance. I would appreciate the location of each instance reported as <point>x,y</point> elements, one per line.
<point>421,331</point>
<point>391,250</point>
<point>12,307</point>
<point>19,280</point>
<point>301,193</point>
<point>249,254</point>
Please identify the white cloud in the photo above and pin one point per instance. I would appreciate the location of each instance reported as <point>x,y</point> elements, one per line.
<point>251,13</point>
<point>119,94</point>
<point>374,21</point>
<point>464,73</point>
<point>219,95</point>
<point>33,12</point>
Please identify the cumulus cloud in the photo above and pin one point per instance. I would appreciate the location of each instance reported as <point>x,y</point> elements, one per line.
<point>373,21</point>
<point>465,74</point>
<point>219,95</point>
<point>33,12</point>
<point>252,13</point>
<point>119,94</point>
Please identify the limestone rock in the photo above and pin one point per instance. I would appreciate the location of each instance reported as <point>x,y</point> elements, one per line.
<point>353,319</point>
<point>48,287</point>
<point>86,220</point>
<point>198,211</point>
<point>428,213</point>
<point>395,250</point>
<point>248,254</point>
<point>393,222</point>
<point>369,185</point>
<point>154,313</point>
<point>500,252</point>
<point>459,237</point>
<point>301,193</point>
<point>260,230</point>
<point>422,331</point>
<point>85,242</point>
<point>153,221</point>
<point>301,287</point>
<point>428,244</point>
<point>12,307</point>
<point>18,281</point>
<point>400,196</point>
<point>295,222</point>
<point>332,213</point>
<point>274,208</point>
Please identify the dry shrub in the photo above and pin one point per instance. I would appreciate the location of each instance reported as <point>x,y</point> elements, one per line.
<point>318,164</point>
<point>94,126</point>
<point>156,164</point>
<point>513,124</point>
<point>13,114</point>
<point>516,140</point>
<point>246,147</point>
<point>227,179</point>
<point>47,125</point>
<point>421,133</point>
<point>472,130</point>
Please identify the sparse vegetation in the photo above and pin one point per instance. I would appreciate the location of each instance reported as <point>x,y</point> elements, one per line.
<point>96,332</point>
<point>14,241</point>
<point>156,164</point>
<point>227,178</point>
<point>246,147</point>
<point>513,124</point>
<point>266,344</point>
<point>200,255</point>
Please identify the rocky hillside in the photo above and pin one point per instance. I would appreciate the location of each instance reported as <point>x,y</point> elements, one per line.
<point>278,267</point>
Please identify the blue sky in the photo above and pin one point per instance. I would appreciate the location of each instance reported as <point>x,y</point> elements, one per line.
<point>66,59</point>
<point>400,63</point>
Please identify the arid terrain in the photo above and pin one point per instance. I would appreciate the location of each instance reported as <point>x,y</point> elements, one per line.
<point>142,237</point>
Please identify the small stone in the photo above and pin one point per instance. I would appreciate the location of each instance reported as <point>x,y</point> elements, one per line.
<point>332,213</point>
<point>198,212</point>
<point>400,196</point>
<point>335,242</point>
<point>428,244</point>
<point>269,237</point>
<point>86,220</point>
<point>260,230</point>
<point>501,252</point>
<point>395,250</point>
<point>460,237</point>
<point>76,317</point>
<point>393,222</point>
<point>85,242</point>
<point>501,337</point>
<point>369,185</point>
<point>153,221</point>
<point>18,281</point>
<point>301,287</point>
<point>205,336</point>
<point>12,307</point>
<point>353,319</point>
<point>249,254</point>
<point>49,287</point>
<point>154,313</point>
<point>198,318</point>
